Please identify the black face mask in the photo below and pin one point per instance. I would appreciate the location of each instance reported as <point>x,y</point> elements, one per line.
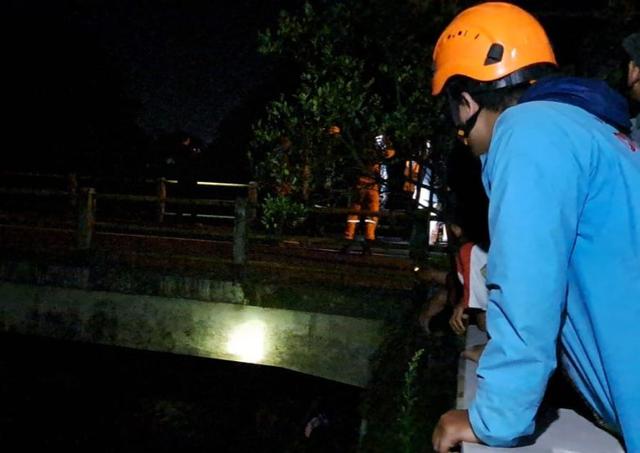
<point>463,129</point>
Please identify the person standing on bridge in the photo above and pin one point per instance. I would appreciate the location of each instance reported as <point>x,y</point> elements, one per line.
<point>564,265</point>
<point>366,194</point>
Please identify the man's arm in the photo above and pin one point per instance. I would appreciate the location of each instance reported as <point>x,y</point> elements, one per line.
<point>536,198</point>
<point>453,428</point>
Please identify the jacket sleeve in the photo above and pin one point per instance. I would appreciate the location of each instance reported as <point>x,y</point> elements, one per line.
<point>535,189</point>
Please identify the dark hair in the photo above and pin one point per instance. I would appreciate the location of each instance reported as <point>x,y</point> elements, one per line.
<point>632,45</point>
<point>472,222</point>
<point>494,95</point>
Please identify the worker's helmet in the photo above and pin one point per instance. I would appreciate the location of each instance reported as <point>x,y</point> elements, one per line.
<point>381,142</point>
<point>334,130</point>
<point>491,42</point>
<point>383,145</point>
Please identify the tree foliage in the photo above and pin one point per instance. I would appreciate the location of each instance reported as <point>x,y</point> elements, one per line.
<point>364,66</point>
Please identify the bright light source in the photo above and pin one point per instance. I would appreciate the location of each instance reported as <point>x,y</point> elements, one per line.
<point>247,341</point>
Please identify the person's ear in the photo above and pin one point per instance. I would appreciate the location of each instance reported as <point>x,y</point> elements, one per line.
<point>469,103</point>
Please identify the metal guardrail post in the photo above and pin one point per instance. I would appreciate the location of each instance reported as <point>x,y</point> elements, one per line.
<point>252,195</point>
<point>86,218</point>
<point>240,233</point>
<point>162,199</point>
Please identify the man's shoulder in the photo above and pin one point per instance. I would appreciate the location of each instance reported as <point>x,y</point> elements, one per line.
<point>545,125</point>
<point>540,134</point>
<point>537,113</point>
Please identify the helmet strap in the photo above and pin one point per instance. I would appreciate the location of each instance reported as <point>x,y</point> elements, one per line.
<point>463,130</point>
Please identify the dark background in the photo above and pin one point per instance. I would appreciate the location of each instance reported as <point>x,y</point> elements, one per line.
<point>75,397</point>
<point>90,85</point>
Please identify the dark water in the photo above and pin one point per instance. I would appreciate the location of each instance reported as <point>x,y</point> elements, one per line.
<point>80,397</point>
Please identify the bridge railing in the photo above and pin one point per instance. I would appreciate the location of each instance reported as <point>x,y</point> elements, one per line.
<point>82,201</point>
<point>149,205</point>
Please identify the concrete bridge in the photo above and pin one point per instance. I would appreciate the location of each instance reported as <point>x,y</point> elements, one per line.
<point>305,309</point>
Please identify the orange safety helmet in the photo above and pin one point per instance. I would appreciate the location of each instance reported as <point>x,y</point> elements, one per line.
<point>334,130</point>
<point>489,42</point>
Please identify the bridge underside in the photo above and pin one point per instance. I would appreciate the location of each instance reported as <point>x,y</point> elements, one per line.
<point>330,346</point>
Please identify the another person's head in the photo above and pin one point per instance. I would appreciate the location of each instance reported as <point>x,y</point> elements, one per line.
<point>466,224</point>
<point>457,220</point>
<point>484,60</point>
<point>334,130</point>
<point>384,147</point>
<point>632,45</point>
<point>456,230</point>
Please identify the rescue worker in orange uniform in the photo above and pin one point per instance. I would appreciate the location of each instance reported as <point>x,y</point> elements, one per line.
<point>366,196</point>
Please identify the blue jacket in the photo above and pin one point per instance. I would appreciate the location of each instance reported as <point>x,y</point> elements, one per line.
<point>564,263</point>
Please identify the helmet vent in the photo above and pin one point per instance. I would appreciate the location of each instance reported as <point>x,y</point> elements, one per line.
<point>494,55</point>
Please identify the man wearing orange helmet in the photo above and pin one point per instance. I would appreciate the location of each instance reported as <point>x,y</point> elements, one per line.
<point>563,180</point>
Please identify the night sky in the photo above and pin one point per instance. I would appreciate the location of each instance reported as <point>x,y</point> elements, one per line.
<point>188,62</point>
<point>184,63</point>
<point>87,76</point>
